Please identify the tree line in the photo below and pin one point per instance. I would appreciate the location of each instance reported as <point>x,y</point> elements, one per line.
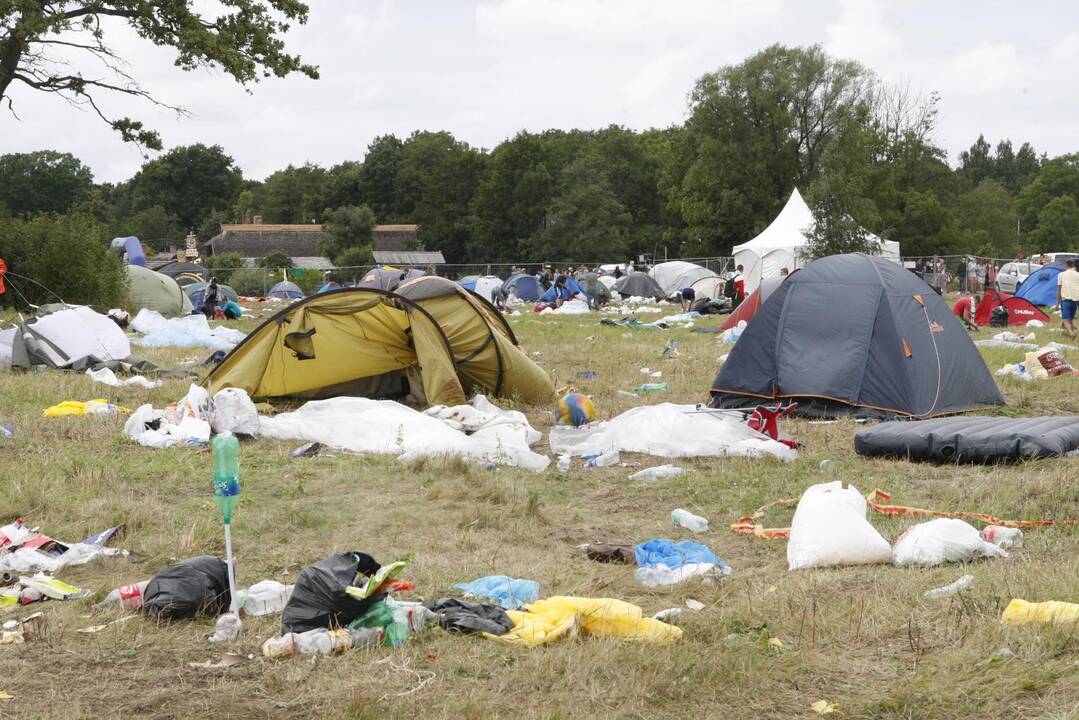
<point>862,152</point>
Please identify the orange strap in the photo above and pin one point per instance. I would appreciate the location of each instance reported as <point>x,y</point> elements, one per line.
<point>877,500</point>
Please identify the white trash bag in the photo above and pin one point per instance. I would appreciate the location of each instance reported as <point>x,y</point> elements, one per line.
<point>234,412</point>
<point>942,540</point>
<point>830,528</point>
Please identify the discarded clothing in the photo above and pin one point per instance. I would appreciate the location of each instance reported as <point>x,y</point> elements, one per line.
<point>561,617</point>
<point>186,331</point>
<point>69,408</point>
<point>386,427</point>
<point>108,377</point>
<point>466,617</point>
<point>669,430</point>
<point>508,592</point>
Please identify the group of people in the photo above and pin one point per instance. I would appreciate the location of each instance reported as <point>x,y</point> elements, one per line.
<point>212,303</point>
<point>969,274</point>
<point>1067,301</point>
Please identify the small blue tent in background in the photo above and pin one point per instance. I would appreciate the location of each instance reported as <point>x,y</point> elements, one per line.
<point>525,287</point>
<point>571,286</point>
<point>286,291</point>
<point>1041,287</point>
<point>132,248</point>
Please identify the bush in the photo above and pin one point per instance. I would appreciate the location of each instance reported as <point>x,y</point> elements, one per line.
<point>66,256</point>
<point>275,261</point>
<point>247,281</point>
<point>353,263</point>
<point>224,261</point>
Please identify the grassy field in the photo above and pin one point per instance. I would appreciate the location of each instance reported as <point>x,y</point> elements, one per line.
<point>861,637</point>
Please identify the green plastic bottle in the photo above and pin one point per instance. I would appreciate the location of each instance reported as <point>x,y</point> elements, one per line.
<point>226,449</point>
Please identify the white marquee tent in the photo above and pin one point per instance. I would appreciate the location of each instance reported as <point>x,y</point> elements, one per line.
<point>780,244</point>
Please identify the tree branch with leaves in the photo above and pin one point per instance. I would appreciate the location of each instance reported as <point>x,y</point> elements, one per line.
<point>42,43</point>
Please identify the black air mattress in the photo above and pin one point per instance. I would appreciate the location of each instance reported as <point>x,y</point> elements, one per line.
<point>971,439</point>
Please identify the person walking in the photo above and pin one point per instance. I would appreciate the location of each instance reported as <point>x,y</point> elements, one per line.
<point>209,302</point>
<point>1068,296</point>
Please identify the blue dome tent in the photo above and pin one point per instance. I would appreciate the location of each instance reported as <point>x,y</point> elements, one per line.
<point>1041,287</point>
<point>526,287</point>
<point>571,286</point>
<point>286,291</point>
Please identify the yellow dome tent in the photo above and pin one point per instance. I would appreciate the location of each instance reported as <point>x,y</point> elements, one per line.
<point>430,339</point>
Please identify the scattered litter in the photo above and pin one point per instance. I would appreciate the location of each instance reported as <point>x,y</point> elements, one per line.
<point>1003,537</point>
<point>649,372</point>
<point>775,643</point>
<point>875,499</point>
<point>627,393</point>
<point>564,463</point>
<point>1035,324</point>
<point>7,430</point>
<point>510,593</point>
<point>5,695</point>
<point>651,388</point>
<point>319,597</point>
<point>227,628</point>
<point>695,605</point>
<point>16,632</point>
<point>830,528</point>
<point>1021,612</point>
<point>198,586</point>
<point>588,374</point>
<point>668,430</point>
<point>1018,370</point>
<point>657,473</point>
<point>942,540</point>
<point>25,550</point>
<point>108,377</point>
<point>610,552</point>
<point>606,459</point>
<point>1047,362</point>
<point>557,618</point>
<point>663,562</point>
<point>668,615</point>
<point>670,349</point>
<point>99,628</point>
<point>234,412</point>
<point>90,407</point>
<point>685,519</point>
<point>732,335</point>
<point>227,661</point>
<point>465,617</point>
<point>307,450</point>
<point>823,707</point>
<point>126,597</point>
<point>321,641</point>
<point>951,589</point>
<point>1005,344</point>
<point>185,331</point>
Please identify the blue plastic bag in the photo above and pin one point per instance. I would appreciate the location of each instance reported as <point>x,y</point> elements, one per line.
<point>675,554</point>
<point>508,592</point>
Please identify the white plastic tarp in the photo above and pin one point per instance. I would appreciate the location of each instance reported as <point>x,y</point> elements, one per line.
<point>386,427</point>
<point>67,336</point>
<point>186,331</point>
<point>669,430</point>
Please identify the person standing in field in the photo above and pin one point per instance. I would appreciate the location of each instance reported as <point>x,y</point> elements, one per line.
<point>1068,296</point>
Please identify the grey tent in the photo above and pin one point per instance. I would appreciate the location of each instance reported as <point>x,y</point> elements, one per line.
<point>387,278</point>
<point>185,273</point>
<point>856,334</point>
<point>638,284</point>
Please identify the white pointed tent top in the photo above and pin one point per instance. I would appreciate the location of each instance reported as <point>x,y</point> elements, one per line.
<point>787,231</point>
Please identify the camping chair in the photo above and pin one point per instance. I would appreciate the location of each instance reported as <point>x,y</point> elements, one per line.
<point>765,420</point>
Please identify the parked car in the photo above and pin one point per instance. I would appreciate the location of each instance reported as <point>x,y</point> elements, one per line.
<point>1052,257</point>
<point>1012,274</point>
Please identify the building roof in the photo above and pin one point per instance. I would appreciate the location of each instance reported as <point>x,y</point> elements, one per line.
<point>400,257</point>
<point>257,240</point>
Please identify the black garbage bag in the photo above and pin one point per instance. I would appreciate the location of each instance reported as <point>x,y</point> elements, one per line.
<point>199,586</point>
<point>318,597</point>
<point>468,617</point>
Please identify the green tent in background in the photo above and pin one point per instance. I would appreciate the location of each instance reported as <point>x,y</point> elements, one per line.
<point>152,290</point>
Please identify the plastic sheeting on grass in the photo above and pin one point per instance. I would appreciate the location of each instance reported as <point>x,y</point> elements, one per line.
<point>668,430</point>
<point>108,377</point>
<point>186,331</point>
<point>389,428</point>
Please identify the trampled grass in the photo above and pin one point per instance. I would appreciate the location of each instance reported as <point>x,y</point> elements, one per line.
<point>862,637</point>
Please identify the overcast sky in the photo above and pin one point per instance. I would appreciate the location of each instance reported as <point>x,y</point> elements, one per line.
<point>485,69</point>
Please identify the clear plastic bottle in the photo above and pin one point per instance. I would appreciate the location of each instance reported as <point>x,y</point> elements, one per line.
<point>605,460</point>
<point>689,521</point>
<point>657,473</point>
<point>651,388</point>
<point>321,642</point>
<point>1003,537</point>
<point>126,597</point>
<point>266,597</point>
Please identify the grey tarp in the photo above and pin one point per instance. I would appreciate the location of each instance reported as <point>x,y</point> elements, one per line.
<point>971,439</point>
<point>854,333</point>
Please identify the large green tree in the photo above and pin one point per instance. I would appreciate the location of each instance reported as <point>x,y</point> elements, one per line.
<point>293,195</point>
<point>346,228</point>
<point>242,38</point>
<point>586,222</point>
<point>188,182</point>
<point>42,181</point>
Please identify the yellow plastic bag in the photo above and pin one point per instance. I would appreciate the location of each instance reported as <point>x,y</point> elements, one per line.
<point>90,407</point>
<point>1021,612</point>
<point>555,618</point>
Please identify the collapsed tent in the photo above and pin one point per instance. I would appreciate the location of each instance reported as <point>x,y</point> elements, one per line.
<point>185,273</point>
<point>154,291</point>
<point>638,284</point>
<point>857,332</point>
<point>486,287</point>
<point>197,293</point>
<point>524,287</point>
<point>971,439</point>
<point>387,278</point>
<point>676,275</point>
<point>131,248</point>
<point>1040,287</point>
<point>781,244</point>
<point>285,290</point>
<point>431,339</point>
<point>1020,310</point>
<point>752,304</point>
<point>75,338</point>
<point>571,287</point>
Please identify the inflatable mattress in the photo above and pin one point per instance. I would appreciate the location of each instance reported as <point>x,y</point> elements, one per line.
<point>971,439</point>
